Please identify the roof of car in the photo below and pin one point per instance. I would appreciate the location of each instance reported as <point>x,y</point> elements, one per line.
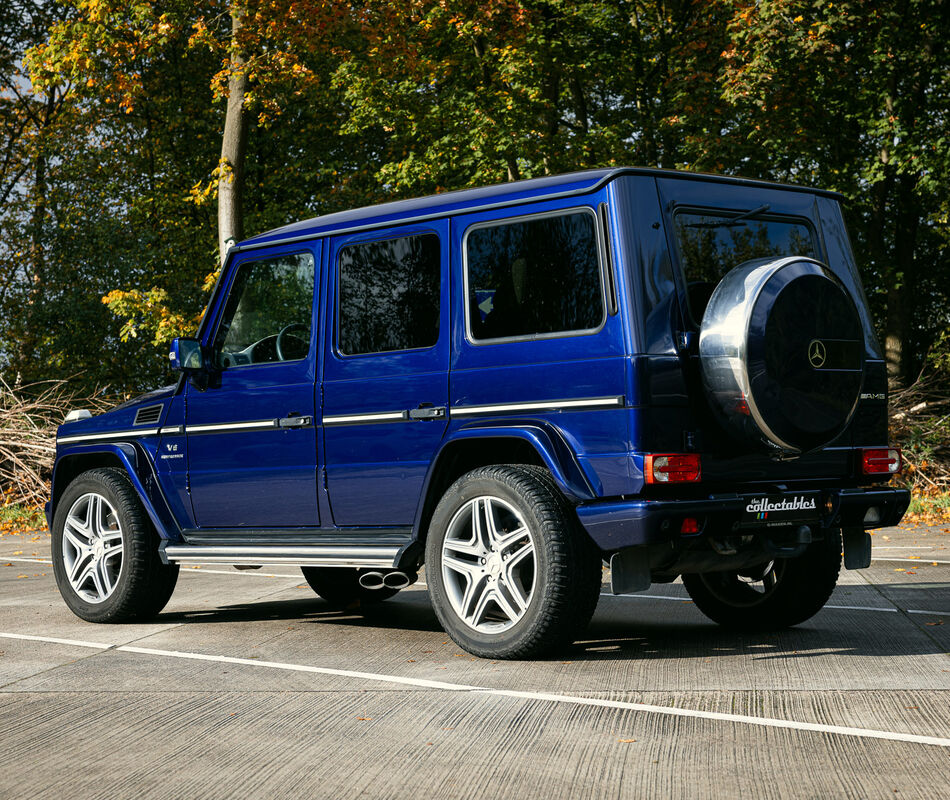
<point>467,200</point>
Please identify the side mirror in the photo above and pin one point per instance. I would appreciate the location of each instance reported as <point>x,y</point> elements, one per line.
<point>185,355</point>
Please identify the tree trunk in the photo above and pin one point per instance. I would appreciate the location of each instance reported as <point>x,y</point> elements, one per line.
<point>233,146</point>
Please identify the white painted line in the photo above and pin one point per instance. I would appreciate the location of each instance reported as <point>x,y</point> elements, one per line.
<point>900,547</point>
<point>921,560</point>
<point>717,715</point>
<point>27,560</point>
<point>54,640</point>
<point>687,600</point>
<point>647,597</point>
<point>343,673</point>
<point>670,711</point>
<point>239,573</point>
<point>931,613</point>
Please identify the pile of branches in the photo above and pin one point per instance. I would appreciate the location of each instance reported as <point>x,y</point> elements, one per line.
<point>29,416</point>
<point>920,424</point>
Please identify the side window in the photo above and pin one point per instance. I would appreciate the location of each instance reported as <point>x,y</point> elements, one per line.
<point>389,295</point>
<point>268,313</point>
<point>534,277</point>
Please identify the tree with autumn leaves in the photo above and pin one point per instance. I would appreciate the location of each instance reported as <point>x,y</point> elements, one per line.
<point>174,119</point>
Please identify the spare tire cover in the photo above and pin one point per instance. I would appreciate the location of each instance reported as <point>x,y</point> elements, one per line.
<point>782,353</point>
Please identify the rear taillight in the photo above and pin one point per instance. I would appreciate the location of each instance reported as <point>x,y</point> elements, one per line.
<point>672,468</point>
<point>881,461</point>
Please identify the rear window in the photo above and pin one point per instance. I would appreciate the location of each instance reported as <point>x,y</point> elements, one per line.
<point>534,277</point>
<point>710,243</point>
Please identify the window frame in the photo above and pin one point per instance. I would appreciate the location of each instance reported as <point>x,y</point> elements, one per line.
<point>731,213</point>
<point>232,278</point>
<point>602,266</point>
<point>337,299</point>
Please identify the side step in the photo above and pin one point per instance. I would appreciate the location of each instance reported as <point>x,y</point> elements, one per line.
<point>296,555</point>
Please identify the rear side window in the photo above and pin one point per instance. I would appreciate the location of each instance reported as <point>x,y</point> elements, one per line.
<point>389,295</point>
<point>534,277</point>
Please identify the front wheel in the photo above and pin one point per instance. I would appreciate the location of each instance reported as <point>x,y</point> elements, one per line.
<point>770,596</point>
<point>510,572</point>
<point>105,551</point>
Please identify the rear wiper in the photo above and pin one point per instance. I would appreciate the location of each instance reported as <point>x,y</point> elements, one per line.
<point>732,221</point>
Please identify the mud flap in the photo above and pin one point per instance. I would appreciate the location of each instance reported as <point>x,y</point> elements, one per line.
<point>630,570</point>
<point>857,548</point>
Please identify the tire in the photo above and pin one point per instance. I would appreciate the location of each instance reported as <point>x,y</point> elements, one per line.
<point>340,587</point>
<point>773,596</point>
<point>499,594</point>
<point>105,551</point>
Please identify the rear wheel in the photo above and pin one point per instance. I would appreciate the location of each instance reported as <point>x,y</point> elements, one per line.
<point>510,572</point>
<point>770,596</point>
<point>105,551</point>
<point>340,586</point>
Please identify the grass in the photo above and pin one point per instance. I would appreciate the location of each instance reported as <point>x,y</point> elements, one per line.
<point>17,517</point>
<point>932,508</point>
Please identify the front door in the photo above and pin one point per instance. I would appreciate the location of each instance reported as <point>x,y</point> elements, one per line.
<point>252,443</point>
<point>386,359</point>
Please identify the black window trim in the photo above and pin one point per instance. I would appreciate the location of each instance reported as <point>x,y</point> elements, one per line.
<point>601,268</point>
<point>389,236</point>
<point>232,277</point>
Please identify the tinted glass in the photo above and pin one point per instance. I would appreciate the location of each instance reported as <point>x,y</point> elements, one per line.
<point>268,313</point>
<point>711,244</point>
<point>389,295</point>
<point>536,277</point>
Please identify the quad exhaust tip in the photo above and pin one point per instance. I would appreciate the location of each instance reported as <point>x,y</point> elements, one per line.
<point>394,579</point>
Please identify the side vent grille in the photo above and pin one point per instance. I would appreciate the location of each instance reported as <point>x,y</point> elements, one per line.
<point>149,415</point>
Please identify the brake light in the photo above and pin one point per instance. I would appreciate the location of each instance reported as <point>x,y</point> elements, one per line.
<point>672,468</point>
<point>881,462</point>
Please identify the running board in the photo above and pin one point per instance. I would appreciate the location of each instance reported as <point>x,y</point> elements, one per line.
<point>294,555</point>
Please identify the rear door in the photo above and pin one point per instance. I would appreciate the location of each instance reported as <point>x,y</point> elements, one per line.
<point>386,357</point>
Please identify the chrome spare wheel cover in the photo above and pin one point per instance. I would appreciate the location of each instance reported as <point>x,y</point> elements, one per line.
<point>489,565</point>
<point>92,548</point>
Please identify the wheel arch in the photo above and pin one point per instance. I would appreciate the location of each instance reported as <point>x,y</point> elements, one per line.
<point>123,456</point>
<point>479,446</point>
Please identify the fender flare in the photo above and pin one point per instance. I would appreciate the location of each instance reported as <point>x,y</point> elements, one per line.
<point>138,467</point>
<point>545,439</point>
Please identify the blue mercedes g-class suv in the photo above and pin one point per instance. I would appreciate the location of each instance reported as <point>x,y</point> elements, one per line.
<point>674,373</point>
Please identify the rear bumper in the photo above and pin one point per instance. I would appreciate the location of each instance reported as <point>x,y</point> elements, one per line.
<point>617,524</point>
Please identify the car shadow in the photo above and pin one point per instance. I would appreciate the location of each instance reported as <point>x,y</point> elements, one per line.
<point>638,628</point>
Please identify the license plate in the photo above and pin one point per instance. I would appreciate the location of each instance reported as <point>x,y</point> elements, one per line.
<point>770,511</point>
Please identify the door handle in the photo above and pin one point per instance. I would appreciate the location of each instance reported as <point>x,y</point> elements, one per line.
<point>427,411</point>
<point>294,422</point>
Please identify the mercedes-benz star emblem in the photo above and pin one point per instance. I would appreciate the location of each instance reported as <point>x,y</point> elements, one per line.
<point>817,353</point>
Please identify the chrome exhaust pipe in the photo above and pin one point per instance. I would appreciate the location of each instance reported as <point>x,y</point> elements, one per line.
<point>398,580</point>
<point>372,580</point>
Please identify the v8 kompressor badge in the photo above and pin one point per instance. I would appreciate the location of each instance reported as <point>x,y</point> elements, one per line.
<point>765,511</point>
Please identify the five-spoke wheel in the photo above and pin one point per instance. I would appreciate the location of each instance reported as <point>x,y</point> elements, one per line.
<point>510,573</point>
<point>92,547</point>
<point>488,564</point>
<point>105,551</point>
<point>773,595</point>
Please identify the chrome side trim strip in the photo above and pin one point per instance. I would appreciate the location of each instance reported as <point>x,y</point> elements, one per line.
<point>379,416</point>
<point>92,437</point>
<point>320,555</point>
<point>223,427</point>
<point>547,405</point>
<point>172,429</point>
